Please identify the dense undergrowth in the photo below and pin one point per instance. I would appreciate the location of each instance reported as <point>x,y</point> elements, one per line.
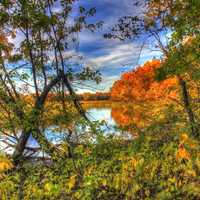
<point>165,165</point>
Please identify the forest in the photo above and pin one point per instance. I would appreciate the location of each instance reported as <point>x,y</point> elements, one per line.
<point>99,100</point>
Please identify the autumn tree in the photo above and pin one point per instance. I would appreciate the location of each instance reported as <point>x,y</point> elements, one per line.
<point>158,20</point>
<point>140,85</point>
<point>38,65</point>
<point>182,50</point>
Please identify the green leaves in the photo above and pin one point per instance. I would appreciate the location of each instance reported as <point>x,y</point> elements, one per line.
<point>89,74</point>
<point>127,27</point>
<point>113,169</point>
<point>4,17</point>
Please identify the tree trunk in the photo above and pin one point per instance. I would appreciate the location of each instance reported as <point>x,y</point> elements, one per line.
<point>35,115</point>
<point>187,106</point>
<point>19,149</point>
<point>21,145</point>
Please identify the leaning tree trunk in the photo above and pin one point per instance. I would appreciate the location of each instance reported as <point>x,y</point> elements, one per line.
<point>187,106</point>
<point>35,114</point>
<point>21,145</point>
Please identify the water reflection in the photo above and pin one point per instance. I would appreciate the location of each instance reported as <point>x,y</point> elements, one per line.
<point>117,115</point>
<point>127,115</point>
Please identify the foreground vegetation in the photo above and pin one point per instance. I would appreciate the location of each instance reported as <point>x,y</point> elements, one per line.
<point>163,167</point>
<point>160,111</point>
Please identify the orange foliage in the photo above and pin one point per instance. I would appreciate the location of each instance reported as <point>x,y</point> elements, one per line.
<point>140,84</point>
<point>121,116</point>
<point>182,153</point>
<point>140,115</point>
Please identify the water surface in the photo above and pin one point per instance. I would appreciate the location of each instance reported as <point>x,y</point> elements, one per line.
<point>111,116</point>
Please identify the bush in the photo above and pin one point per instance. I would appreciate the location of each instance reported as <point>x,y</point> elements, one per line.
<point>113,168</point>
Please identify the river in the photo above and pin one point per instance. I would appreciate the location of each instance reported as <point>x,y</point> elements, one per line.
<point>113,115</point>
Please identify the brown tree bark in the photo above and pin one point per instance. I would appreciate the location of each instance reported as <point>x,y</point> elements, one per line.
<point>36,113</point>
<point>187,106</point>
<point>21,145</point>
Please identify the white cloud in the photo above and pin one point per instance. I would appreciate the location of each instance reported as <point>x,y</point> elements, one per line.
<point>117,56</point>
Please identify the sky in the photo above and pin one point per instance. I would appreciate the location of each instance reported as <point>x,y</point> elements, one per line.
<point>111,57</point>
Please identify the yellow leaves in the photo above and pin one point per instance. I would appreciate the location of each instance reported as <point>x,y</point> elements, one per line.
<point>191,145</point>
<point>104,182</point>
<point>117,181</point>
<point>5,164</point>
<point>188,40</point>
<point>129,164</point>
<point>183,138</point>
<point>89,170</point>
<point>48,187</point>
<point>133,162</point>
<point>87,151</point>
<point>172,180</point>
<point>190,173</point>
<point>182,153</point>
<point>124,178</point>
<point>125,167</point>
<point>71,183</point>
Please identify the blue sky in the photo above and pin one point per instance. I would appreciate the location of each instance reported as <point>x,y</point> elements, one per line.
<point>111,57</point>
